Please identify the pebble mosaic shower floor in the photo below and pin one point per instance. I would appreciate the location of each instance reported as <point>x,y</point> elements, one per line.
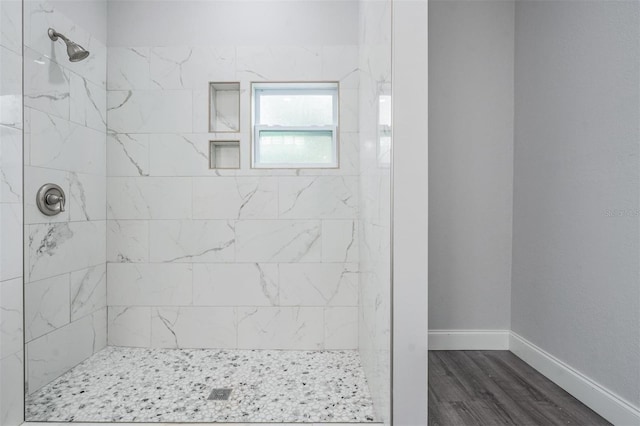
<point>172,385</point>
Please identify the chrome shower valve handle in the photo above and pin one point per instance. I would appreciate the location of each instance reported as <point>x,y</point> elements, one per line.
<point>51,199</point>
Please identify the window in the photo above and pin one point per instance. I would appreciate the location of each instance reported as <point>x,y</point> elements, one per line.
<point>295,125</point>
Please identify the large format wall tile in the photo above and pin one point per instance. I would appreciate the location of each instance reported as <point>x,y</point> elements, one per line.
<point>277,241</point>
<point>179,155</point>
<point>64,247</point>
<point>10,317</point>
<point>237,284</point>
<point>149,198</point>
<point>87,197</point>
<point>341,328</point>
<point>56,143</point>
<point>10,165</point>
<point>235,198</point>
<point>318,197</point>
<point>88,289</point>
<point>128,68</point>
<point>191,67</point>
<point>149,111</point>
<point>46,85</point>
<point>186,241</point>
<point>192,241</point>
<point>88,103</point>
<point>149,284</point>
<point>46,306</point>
<point>280,328</point>
<point>340,241</point>
<point>53,354</point>
<point>318,284</point>
<point>128,241</point>
<point>190,327</point>
<point>127,154</point>
<point>129,326</point>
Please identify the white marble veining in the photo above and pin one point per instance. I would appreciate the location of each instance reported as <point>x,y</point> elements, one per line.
<point>53,354</point>
<point>180,67</point>
<point>10,317</point>
<point>46,306</point>
<point>235,198</point>
<point>46,85</point>
<point>57,248</point>
<point>374,320</point>
<point>237,230</point>
<point>128,68</point>
<point>88,103</point>
<point>129,326</point>
<point>318,197</point>
<point>149,284</point>
<point>237,284</point>
<point>278,241</point>
<point>88,291</point>
<point>340,241</point>
<point>279,63</point>
<point>341,327</point>
<point>192,241</point>
<point>57,143</point>
<point>172,385</point>
<point>179,154</point>
<point>193,327</point>
<point>127,154</point>
<point>10,165</point>
<point>149,198</point>
<point>280,328</point>
<point>318,284</point>
<point>87,197</point>
<point>11,215</point>
<point>127,241</point>
<point>149,111</point>
<point>42,14</point>
<point>341,63</point>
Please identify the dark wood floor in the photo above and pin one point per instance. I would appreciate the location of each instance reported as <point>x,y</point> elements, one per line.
<point>490,388</point>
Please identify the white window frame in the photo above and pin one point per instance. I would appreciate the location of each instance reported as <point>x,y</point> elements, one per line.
<point>297,89</point>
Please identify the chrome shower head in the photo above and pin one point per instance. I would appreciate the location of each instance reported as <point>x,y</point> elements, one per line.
<point>75,51</point>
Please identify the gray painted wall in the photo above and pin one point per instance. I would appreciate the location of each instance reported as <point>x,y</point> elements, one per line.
<point>471,56</point>
<point>576,283</point>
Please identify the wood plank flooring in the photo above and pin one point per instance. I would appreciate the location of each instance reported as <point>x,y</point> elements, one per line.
<point>495,388</point>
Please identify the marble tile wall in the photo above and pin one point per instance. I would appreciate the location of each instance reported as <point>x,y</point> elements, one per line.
<point>375,202</point>
<point>247,258</point>
<point>65,116</point>
<point>11,244</point>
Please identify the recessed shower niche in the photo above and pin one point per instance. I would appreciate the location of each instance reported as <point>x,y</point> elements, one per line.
<point>224,107</point>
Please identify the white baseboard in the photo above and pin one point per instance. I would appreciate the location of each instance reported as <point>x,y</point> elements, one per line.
<point>468,340</point>
<point>593,395</point>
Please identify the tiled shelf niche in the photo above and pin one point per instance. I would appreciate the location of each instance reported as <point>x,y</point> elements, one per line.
<point>224,154</point>
<point>224,107</point>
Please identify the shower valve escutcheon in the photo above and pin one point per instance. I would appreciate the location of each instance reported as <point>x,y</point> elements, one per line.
<point>50,199</point>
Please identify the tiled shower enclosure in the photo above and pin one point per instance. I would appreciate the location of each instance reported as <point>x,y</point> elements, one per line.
<point>176,267</point>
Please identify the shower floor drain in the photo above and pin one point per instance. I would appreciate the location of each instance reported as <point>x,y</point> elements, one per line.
<point>219,395</point>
